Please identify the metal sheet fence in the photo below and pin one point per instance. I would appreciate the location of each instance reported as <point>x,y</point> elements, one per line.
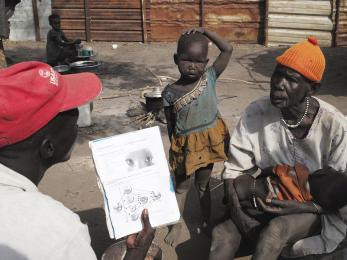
<point>102,20</point>
<point>238,21</point>
<point>294,20</point>
<point>116,20</point>
<point>341,26</point>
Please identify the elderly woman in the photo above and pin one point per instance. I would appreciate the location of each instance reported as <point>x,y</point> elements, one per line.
<point>289,127</point>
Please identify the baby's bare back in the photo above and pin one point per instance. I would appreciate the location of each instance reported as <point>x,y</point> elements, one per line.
<point>246,187</point>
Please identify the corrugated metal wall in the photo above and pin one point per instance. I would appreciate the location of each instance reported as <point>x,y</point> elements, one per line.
<point>117,20</point>
<point>102,20</point>
<point>72,16</point>
<point>292,21</point>
<point>169,18</point>
<point>238,21</point>
<point>341,26</point>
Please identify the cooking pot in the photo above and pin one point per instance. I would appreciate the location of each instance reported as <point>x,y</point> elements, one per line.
<point>154,100</point>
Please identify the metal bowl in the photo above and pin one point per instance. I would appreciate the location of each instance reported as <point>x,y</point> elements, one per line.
<point>84,65</point>
<point>117,251</point>
<point>86,56</point>
<point>62,68</point>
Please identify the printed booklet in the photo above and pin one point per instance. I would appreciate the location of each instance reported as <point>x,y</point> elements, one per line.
<point>133,174</point>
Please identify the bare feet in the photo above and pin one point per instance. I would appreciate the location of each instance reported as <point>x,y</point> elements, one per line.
<point>173,235</point>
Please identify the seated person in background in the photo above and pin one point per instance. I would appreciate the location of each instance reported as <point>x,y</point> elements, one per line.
<point>58,47</point>
<point>288,127</point>
<point>38,116</point>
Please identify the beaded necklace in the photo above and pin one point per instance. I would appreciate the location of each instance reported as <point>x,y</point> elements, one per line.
<point>302,118</point>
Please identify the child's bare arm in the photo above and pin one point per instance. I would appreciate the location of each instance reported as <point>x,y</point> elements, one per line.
<point>225,48</point>
<point>71,42</point>
<point>65,42</point>
<point>169,120</point>
<point>60,41</point>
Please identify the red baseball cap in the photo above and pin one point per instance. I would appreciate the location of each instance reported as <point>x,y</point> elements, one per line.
<point>32,94</point>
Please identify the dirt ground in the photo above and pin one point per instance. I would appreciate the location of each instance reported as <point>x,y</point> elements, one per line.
<point>124,72</point>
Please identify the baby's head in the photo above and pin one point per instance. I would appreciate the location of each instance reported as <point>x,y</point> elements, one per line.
<point>54,21</point>
<point>328,188</point>
<point>191,56</point>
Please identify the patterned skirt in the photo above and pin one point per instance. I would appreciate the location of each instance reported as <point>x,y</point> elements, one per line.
<point>199,149</point>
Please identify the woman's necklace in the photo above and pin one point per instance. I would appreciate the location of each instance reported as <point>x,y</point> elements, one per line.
<point>302,118</point>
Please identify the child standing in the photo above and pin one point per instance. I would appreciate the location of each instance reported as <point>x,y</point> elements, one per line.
<point>198,135</point>
<point>58,47</point>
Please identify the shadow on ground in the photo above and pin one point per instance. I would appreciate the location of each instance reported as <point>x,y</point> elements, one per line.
<point>105,125</point>
<point>20,54</point>
<point>109,125</point>
<point>128,75</point>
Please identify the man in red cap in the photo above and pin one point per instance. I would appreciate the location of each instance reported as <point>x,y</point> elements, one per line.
<point>288,127</point>
<point>38,115</point>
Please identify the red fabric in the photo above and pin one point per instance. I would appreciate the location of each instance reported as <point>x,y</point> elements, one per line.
<point>293,182</point>
<point>32,93</point>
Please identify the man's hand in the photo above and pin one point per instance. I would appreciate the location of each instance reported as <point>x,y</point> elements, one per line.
<point>286,207</point>
<point>138,244</point>
<point>145,236</point>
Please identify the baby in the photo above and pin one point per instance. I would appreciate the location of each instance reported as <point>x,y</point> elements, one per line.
<point>325,187</point>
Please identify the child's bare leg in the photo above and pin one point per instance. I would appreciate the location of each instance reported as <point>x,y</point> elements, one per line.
<point>183,184</point>
<point>202,184</point>
<point>282,230</point>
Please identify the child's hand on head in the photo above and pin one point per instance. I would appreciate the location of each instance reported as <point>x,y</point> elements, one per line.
<point>194,30</point>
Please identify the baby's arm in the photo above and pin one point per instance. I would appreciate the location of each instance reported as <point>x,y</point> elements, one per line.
<point>225,48</point>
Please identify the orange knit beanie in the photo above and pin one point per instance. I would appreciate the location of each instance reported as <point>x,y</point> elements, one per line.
<point>306,58</point>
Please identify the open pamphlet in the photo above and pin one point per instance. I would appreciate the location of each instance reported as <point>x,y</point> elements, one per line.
<point>133,174</point>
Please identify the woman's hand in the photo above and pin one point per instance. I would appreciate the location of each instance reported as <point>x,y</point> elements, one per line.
<point>286,207</point>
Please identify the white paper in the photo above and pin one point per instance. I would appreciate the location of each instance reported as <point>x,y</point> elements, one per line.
<point>133,174</point>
